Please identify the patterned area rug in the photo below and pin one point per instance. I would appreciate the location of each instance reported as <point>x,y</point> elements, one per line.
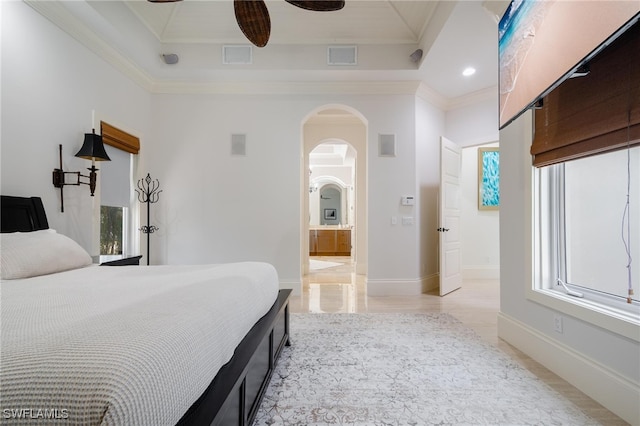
<point>403,369</point>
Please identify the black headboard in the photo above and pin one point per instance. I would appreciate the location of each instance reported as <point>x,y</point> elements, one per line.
<point>22,214</point>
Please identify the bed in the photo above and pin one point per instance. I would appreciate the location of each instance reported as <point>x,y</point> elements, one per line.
<point>146,345</point>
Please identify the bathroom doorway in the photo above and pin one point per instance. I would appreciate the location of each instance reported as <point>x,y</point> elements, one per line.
<point>333,220</point>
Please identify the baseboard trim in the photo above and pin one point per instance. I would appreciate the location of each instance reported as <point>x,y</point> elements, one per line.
<point>615,392</point>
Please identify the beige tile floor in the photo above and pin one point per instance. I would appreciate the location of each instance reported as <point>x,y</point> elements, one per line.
<point>476,304</point>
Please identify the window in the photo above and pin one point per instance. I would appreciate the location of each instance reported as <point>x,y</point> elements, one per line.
<point>115,199</point>
<point>586,214</point>
<point>112,227</point>
<point>587,231</point>
<point>118,211</point>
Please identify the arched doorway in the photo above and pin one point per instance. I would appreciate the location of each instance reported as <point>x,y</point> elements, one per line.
<point>331,197</point>
<point>335,129</point>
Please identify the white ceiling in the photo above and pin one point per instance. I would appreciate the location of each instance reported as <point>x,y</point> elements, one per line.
<point>133,34</point>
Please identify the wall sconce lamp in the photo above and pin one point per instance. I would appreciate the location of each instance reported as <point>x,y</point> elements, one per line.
<point>92,149</point>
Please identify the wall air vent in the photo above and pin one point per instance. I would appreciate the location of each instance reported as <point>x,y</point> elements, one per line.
<point>238,144</point>
<point>386,145</point>
<point>342,55</point>
<point>237,55</point>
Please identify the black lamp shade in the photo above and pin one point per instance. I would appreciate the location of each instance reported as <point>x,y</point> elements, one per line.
<point>92,148</point>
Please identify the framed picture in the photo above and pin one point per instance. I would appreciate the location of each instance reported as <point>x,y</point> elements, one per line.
<point>488,178</point>
<point>330,214</point>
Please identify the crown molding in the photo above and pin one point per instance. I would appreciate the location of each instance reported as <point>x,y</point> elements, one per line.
<point>446,104</point>
<point>290,88</point>
<point>490,93</point>
<point>428,94</point>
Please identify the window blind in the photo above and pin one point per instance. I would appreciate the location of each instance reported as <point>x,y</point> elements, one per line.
<point>115,179</point>
<point>115,186</point>
<point>593,114</point>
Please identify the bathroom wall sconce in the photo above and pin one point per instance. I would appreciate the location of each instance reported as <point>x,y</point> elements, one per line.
<point>92,149</point>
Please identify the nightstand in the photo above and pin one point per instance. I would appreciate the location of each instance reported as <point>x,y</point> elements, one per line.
<point>133,260</point>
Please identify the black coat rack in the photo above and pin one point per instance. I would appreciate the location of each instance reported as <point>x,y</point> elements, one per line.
<point>148,192</point>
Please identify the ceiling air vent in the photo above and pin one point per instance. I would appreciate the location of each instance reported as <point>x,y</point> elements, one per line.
<point>342,55</point>
<point>237,55</point>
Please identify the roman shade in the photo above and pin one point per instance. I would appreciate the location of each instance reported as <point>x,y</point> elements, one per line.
<point>593,114</point>
<point>119,138</point>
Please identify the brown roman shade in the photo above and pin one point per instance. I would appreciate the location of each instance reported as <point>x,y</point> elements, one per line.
<point>593,114</point>
<point>119,138</point>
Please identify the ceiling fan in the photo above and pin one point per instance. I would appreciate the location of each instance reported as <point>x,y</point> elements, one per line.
<point>253,17</point>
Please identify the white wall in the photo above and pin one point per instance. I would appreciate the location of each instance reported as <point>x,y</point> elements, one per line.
<point>50,86</point>
<point>480,231</point>
<point>219,208</point>
<point>474,124</point>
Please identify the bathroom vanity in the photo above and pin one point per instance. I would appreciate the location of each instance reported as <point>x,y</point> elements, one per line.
<point>329,241</point>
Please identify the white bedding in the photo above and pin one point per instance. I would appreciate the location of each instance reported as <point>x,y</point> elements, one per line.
<point>126,345</point>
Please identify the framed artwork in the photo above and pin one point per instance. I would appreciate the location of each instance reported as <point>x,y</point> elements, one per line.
<point>330,214</point>
<point>488,178</point>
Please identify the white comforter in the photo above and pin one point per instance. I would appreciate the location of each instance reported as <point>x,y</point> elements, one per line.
<point>126,345</point>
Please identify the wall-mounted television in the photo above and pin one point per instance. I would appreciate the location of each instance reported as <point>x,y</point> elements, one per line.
<point>542,42</point>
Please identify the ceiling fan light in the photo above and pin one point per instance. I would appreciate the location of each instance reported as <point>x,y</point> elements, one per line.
<point>318,5</point>
<point>254,21</point>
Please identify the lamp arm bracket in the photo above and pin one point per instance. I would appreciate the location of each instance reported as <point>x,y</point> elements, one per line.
<point>60,181</point>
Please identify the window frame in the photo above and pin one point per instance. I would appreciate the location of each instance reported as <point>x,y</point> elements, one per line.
<point>125,141</point>
<point>608,315</point>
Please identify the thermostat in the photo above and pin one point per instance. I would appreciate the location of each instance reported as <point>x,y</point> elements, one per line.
<point>408,200</point>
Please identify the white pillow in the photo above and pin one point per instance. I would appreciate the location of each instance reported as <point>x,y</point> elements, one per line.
<point>29,254</point>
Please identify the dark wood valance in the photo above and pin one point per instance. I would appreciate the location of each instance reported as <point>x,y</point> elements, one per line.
<point>593,114</point>
<point>119,138</point>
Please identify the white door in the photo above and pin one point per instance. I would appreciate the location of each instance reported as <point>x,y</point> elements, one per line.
<point>449,216</point>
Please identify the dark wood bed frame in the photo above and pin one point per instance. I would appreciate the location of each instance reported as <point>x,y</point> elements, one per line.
<point>234,395</point>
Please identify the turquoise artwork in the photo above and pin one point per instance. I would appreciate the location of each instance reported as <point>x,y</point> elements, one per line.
<point>489,179</point>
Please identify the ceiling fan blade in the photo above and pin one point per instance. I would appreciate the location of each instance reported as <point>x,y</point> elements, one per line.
<point>318,5</point>
<point>253,19</point>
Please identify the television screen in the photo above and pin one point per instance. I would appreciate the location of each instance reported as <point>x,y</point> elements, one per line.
<point>543,42</point>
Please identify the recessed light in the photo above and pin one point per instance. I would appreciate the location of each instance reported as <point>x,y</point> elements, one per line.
<point>469,71</point>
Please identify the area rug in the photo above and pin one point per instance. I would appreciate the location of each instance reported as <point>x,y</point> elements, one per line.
<point>316,265</point>
<point>403,369</point>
